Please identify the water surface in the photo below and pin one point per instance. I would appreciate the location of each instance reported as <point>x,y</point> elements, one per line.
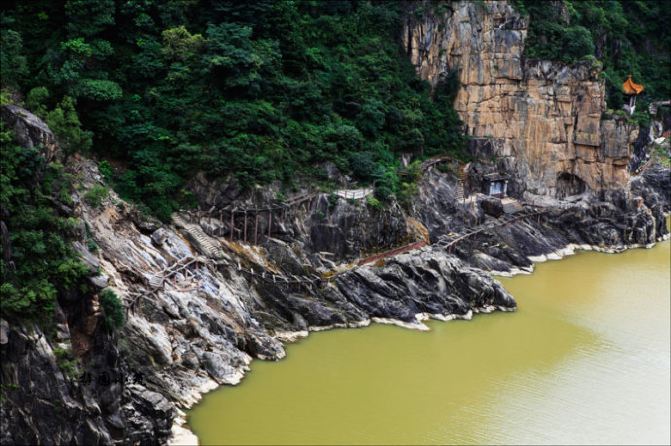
<point>585,359</point>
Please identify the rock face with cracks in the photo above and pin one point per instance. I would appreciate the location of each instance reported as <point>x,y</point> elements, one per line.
<point>542,119</point>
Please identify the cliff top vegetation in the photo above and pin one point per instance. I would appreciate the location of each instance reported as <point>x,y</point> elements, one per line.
<point>261,91</point>
<point>624,36</point>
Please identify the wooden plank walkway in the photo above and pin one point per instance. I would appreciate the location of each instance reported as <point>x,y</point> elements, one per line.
<point>253,217</point>
<point>426,164</point>
<point>391,253</point>
<point>449,242</point>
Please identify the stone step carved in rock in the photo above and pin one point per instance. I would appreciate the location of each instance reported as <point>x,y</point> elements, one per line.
<point>210,247</point>
<point>459,194</point>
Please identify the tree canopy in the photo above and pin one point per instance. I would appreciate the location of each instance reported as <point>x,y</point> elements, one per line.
<point>626,37</point>
<point>261,91</point>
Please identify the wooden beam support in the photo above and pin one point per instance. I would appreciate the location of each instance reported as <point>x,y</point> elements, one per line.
<point>244,230</point>
<point>232,223</point>
<point>256,229</point>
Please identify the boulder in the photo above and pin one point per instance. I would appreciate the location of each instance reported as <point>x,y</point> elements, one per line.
<point>29,130</point>
<point>492,206</point>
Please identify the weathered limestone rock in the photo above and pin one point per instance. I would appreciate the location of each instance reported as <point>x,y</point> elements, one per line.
<point>30,131</point>
<point>544,116</point>
<point>492,206</point>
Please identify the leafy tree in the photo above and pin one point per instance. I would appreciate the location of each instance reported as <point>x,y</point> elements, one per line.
<point>179,44</point>
<point>36,100</point>
<point>98,90</point>
<point>113,312</point>
<point>65,124</point>
<point>13,66</point>
<point>89,17</point>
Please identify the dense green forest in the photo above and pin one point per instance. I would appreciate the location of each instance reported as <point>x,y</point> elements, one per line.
<point>263,91</point>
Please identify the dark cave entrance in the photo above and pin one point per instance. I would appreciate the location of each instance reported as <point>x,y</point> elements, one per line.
<point>569,184</point>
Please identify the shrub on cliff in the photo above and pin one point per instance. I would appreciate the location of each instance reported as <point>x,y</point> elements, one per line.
<point>37,262</point>
<point>113,313</point>
<point>96,195</point>
<point>64,122</point>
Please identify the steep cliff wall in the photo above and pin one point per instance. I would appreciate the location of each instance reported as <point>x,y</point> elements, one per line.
<point>543,119</point>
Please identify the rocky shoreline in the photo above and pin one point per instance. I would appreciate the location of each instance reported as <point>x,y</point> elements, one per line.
<point>182,435</point>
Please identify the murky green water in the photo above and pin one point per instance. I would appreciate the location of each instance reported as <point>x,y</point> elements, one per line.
<point>584,360</point>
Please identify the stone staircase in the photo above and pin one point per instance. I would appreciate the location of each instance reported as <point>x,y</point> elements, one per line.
<point>459,193</point>
<point>203,242</point>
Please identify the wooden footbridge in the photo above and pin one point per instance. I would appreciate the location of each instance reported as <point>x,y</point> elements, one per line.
<point>449,242</point>
<point>250,224</point>
<point>391,253</point>
<point>426,164</point>
<point>645,165</point>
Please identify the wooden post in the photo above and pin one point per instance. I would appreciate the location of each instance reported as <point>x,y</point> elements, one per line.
<point>244,230</point>
<point>256,228</point>
<point>232,223</point>
<point>270,221</point>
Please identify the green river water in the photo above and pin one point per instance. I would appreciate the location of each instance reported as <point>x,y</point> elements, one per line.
<point>585,359</point>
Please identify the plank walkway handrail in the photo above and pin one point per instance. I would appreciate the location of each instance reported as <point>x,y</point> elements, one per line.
<point>643,167</point>
<point>435,160</point>
<point>392,252</point>
<point>354,194</point>
<point>232,210</point>
<point>236,209</point>
<point>227,216</point>
<point>448,243</point>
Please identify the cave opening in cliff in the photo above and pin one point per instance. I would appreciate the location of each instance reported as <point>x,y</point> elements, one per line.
<point>569,184</point>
